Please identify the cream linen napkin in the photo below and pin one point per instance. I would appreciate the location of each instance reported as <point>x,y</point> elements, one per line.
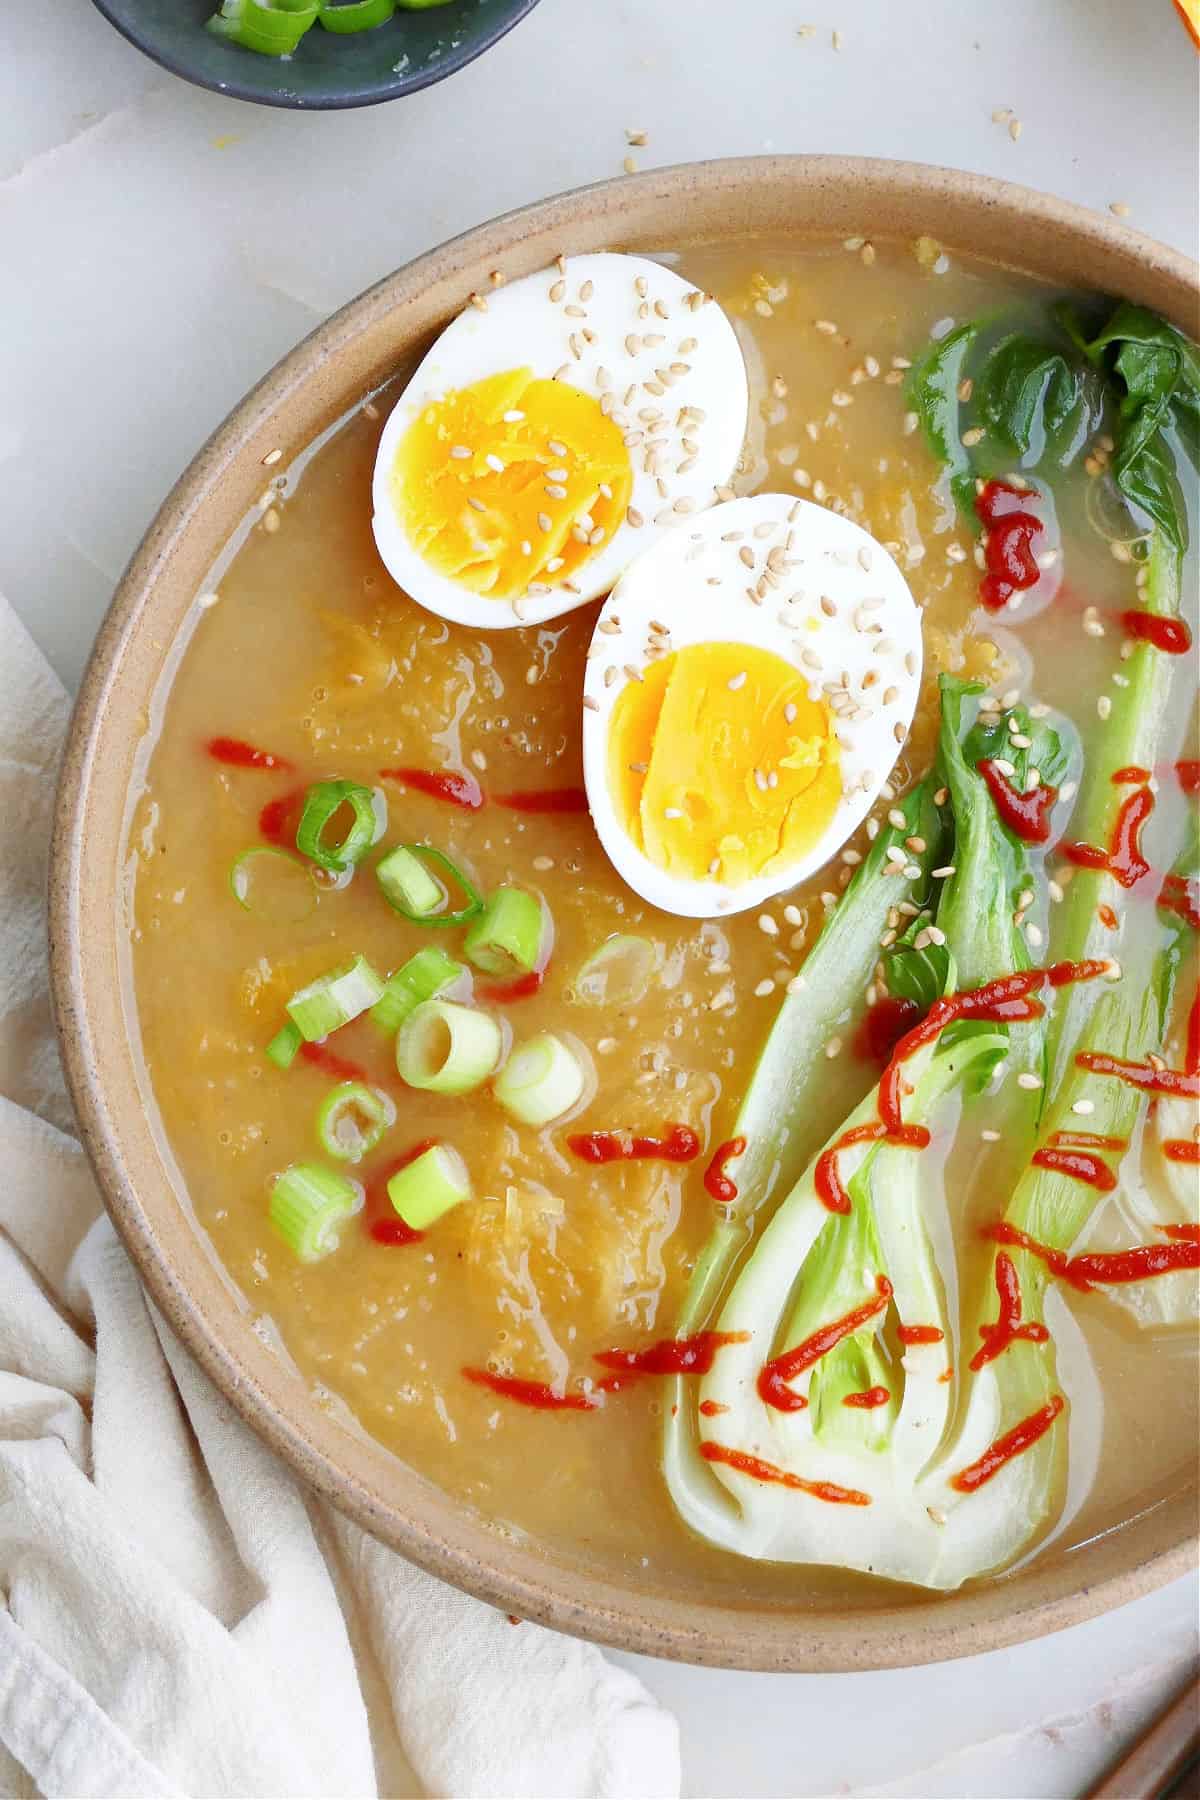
<point>182,1618</point>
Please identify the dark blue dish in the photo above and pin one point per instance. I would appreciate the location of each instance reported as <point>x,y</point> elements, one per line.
<point>413,50</point>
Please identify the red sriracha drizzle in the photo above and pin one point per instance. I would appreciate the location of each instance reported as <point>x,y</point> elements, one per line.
<point>721,1186</point>
<point>868,1398</point>
<point>340,1067</point>
<point>774,1376</point>
<point>1123,859</point>
<point>1102,1268</point>
<point>679,1145</point>
<point>673,1356</point>
<point>1078,1165</point>
<point>546,800</point>
<point>1181,894</point>
<point>1020,1438</point>
<point>1180,1082</point>
<point>1011,528</point>
<point>520,989</point>
<point>758,1470</point>
<point>1026,815</point>
<point>920,1334</point>
<point>531,1393</point>
<point>1008,1327</point>
<point>1187,773</point>
<point>240,755</point>
<point>882,1027</point>
<point>1169,635</point>
<point>1006,1001</point>
<point>440,784</point>
<point>279,818</point>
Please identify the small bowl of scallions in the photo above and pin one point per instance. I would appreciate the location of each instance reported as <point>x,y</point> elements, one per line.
<point>316,54</point>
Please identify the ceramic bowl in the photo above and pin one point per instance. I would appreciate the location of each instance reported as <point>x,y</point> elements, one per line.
<point>329,69</point>
<point>319,381</point>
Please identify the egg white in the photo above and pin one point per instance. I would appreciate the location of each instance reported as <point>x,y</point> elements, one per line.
<point>522,327</point>
<point>697,584</point>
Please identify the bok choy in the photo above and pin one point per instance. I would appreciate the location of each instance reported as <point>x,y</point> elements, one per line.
<point>840,1389</point>
<point>870,1414</point>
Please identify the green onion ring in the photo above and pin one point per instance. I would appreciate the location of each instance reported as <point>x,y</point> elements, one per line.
<point>444,1048</point>
<point>321,802</point>
<point>334,999</point>
<point>429,1186</point>
<point>403,875</point>
<point>355,15</point>
<point>510,936</point>
<point>340,1119</point>
<point>428,973</point>
<point>308,1206</point>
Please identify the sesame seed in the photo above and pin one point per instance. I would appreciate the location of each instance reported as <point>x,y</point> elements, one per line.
<point>590,704</point>
<point>1028,1080</point>
<point>911,421</point>
<point>973,436</point>
<point>767,923</point>
<point>990,1137</point>
<point>833,1048</point>
<point>633,674</point>
<point>1083,1107</point>
<point>764,988</point>
<point>633,517</point>
<point>1104,706</point>
<point>271,520</point>
<point>1014,129</point>
<point>479,303</point>
<point>555,490</point>
<point>944,873</point>
<point>271,458</point>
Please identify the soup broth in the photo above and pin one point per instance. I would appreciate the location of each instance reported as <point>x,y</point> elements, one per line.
<point>312,655</point>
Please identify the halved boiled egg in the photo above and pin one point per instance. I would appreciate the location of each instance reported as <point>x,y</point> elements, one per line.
<point>554,429</point>
<point>748,688</point>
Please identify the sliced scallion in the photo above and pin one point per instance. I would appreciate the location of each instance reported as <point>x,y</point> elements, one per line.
<point>272,885</point>
<point>367,819</point>
<point>356,15</point>
<point>416,889</point>
<point>445,1048</point>
<point>429,1186</point>
<point>308,1206</point>
<point>424,975</point>
<point>508,938</point>
<point>284,1045</point>
<point>616,974</point>
<point>540,1081</point>
<point>272,27</point>
<point>334,999</point>
<point>408,885</point>
<point>352,1119</point>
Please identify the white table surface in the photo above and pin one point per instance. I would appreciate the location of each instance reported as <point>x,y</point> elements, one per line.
<point>160,247</point>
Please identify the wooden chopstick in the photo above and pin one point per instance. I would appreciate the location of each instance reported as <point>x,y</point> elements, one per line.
<point>1160,1756</point>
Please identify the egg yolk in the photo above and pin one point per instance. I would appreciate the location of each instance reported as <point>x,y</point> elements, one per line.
<point>720,766</point>
<point>511,481</point>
